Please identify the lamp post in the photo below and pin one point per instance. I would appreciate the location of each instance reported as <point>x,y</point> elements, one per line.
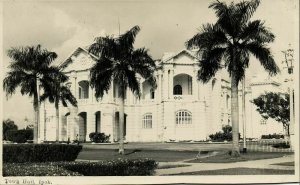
<point>288,54</point>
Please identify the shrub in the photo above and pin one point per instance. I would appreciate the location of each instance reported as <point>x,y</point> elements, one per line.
<point>120,167</point>
<point>272,136</point>
<point>36,169</point>
<point>225,134</point>
<point>19,136</point>
<point>21,153</point>
<point>99,137</point>
<point>281,145</point>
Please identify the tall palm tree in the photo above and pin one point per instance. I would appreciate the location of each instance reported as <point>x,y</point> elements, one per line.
<point>120,62</point>
<point>30,69</point>
<point>56,91</point>
<point>228,43</point>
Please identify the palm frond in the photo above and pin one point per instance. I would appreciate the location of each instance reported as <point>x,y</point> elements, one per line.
<point>210,64</point>
<point>103,46</point>
<point>142,63</point>
<point>256,31</point>
<point>263,54</point>
<point>127,39</point>
<point>101,76</point>
<point>133,83</point>
<point>246,9</point>
<point>210,36</point>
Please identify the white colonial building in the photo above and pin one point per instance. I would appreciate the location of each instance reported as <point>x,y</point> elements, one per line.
<point>180,108</point>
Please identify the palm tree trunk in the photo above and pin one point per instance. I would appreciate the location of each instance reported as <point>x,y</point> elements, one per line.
<point>36,117</point>
<point>57,120</point>
<point>235,116</point>
<point>121,123</point>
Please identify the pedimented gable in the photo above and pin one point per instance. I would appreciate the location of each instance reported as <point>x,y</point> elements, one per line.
<point>184,57</point>
<point>79,60</point>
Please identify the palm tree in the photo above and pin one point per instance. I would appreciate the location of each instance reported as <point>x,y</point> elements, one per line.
<point>120,62</point>
<point>30,67</point>
<point>228,43</point>
<point>57,92</point>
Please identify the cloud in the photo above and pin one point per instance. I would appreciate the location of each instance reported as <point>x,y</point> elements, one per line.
<point>80,35</point>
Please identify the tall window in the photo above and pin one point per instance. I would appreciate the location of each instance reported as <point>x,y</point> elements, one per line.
<point>152,93</point>
<point>147,121</point>
<point>183,117</point>
<point>177,90</point>
<point>83,90</point>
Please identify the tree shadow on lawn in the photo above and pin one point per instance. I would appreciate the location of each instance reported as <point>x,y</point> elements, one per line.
<point>224,157</point>
<point>157,155</point>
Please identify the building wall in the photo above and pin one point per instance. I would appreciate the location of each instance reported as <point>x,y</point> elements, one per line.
<point>208,104</point>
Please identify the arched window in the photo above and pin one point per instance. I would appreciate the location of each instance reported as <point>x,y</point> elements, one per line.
<point>147,121</point>
<point>183,117</point>
<point>83,90</point>
<point>177,90</point>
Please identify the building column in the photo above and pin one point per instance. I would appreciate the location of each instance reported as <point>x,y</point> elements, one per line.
<point>73,123</point>
<point>91,95</point>
<point>171,78</point>
<point>195,86</point>
<point>157,91</point>
<point>90,124</point>
<point>106,124</point>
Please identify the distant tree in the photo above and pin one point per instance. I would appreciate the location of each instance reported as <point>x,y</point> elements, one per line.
<point>275,106</point>
<point>8,125</point>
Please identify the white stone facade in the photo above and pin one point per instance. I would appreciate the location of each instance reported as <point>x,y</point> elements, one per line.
<point>180,108</point>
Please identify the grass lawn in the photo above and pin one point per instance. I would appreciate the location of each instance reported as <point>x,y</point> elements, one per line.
<point>241,171</point>
<point>157,155</point>
<point>226,158</point>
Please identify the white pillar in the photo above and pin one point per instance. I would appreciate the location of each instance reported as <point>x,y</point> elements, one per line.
<point>195,86</point>
<point>158,94</point>
<point>107,122</point>
<point>90,124</point>
<point>171,76</point>
<point>91,95</point>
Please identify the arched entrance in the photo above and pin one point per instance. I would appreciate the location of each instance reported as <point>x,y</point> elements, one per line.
<point>183,84</point>
<point>98,121</point>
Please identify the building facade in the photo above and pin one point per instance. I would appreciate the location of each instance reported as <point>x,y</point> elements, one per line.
<point>180,109</point>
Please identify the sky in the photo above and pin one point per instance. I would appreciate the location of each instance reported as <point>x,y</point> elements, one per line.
<point>62,26</point>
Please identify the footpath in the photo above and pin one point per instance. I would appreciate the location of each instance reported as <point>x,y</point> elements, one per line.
<point>194,167</point>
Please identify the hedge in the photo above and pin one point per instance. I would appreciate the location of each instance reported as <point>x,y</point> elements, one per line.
<point>19,136</point>
<point>120,167</point>
<point>21,153</point>
<point>272,136</point>
<point>35,169</point>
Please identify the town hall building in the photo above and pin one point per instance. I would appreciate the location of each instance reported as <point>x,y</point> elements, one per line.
<point>180,108</point>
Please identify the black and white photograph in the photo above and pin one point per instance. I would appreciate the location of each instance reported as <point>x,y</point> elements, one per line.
<point>149,91</point>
